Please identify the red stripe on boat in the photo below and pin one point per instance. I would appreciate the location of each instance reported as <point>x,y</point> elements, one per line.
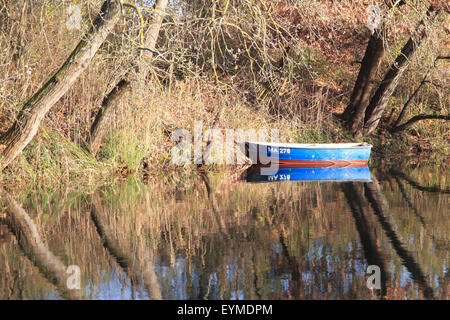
<point>319,164</point>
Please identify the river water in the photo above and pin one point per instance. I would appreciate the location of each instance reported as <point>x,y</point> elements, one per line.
<point>217,236</point>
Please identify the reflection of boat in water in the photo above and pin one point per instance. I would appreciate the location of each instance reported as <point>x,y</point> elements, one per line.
<point>254,174</point>
<point>321,155</point>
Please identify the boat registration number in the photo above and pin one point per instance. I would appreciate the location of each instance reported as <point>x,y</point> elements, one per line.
<point>279,177</point>
<point>278,150</point>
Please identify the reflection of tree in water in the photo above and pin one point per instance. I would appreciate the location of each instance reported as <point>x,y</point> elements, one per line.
<point>125,259</point>
<point>233,259</point>
<point>381,208</point>
<point>374,195</point>
<point>416,185</point>
<point>253,241</point>
<point>30,241</point>
<point>367,230</point>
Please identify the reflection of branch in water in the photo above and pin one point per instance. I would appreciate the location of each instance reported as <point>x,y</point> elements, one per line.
<point>408,201</point>
<point>205,276</point>
<point>382,211</point>
<point>366,231</point>
<point>126,261</point>
<point>416,212</point>
<point>35,249</point>
<point>212,197</point>
<point>258,291</point>
<point>294,265</point>
<point>223,236</point>
<point>414,184</point>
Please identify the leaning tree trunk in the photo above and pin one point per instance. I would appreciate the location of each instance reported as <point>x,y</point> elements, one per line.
<point>381,97</point>
<point>110,101</point>
<point>365,83</point>
<point>34,110</point>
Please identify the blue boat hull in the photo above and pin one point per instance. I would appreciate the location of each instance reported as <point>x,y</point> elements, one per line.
<point>265,153</point>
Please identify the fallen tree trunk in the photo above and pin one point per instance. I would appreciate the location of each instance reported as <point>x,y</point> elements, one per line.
<point>110,101</point>
<point>34,110</point>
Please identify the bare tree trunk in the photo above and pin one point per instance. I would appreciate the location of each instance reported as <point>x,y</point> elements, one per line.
<point>104,114</point>
<point>35,249</point>
<point>151,36</point>
<point>110,102</point>
<point>365,83</point>
<point>34,110</point>
<point>381,97</point>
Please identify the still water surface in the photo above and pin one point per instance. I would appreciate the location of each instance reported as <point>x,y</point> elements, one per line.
<point>212,237</point>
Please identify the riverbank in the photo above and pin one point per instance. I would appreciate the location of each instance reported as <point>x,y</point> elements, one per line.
<point>295,74</point>
<point>140,141</point>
